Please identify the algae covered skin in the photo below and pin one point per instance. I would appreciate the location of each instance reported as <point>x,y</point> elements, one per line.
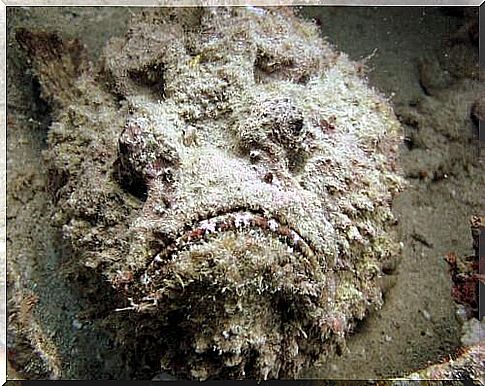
<point>231,176</point>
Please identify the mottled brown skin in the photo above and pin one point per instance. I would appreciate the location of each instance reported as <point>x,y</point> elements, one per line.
<point>231,179</point>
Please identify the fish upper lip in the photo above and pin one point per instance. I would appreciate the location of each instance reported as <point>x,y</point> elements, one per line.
<point>233,220</point>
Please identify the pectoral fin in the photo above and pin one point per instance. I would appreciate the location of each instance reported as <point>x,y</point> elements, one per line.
<point>56,62</point>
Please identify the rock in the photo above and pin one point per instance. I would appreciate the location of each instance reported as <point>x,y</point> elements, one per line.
<point>473,332</point>
<point>466,274</point>
<point>432,77</point>
<point>467,365</point>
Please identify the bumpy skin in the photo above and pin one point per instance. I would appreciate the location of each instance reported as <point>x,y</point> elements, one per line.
<point>231,176</point>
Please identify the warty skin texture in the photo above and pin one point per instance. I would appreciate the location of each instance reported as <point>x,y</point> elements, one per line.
<point>231,176</point>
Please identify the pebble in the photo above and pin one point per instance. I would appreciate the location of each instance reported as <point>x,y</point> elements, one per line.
<point>77,324</point>
<point>426,314</point>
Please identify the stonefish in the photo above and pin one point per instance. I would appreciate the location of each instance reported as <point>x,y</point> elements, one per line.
<point>230,175</point>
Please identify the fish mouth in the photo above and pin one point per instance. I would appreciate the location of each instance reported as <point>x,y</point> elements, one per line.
<point>273,238</point>
<point>236,220</point>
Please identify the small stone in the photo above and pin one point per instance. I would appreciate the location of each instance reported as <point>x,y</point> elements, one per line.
<point>77,324</point>
<point>432,77</point>
<point>426,314</point>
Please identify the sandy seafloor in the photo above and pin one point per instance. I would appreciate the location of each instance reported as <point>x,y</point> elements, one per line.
<point>418,323</point>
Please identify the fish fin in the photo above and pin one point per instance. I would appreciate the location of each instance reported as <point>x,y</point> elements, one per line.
<point>56,62</point>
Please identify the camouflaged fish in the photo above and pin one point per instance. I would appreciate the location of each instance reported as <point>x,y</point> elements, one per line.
<point>231,176</point>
